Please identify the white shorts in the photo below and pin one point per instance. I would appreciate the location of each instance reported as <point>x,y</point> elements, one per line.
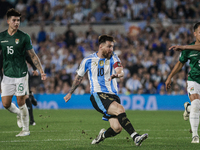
<point>193,87</point>
<point>18,88</point>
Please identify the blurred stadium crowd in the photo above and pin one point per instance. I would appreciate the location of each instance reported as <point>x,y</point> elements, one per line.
<point>63,12</point>
<point>145,56</point>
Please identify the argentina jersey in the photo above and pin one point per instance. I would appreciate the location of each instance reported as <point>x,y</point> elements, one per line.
<point>99,72</point>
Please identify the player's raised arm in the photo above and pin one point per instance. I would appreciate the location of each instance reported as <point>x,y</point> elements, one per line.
<point>37,63</point>
<point>75,84</point>
<point>175,70</point>
<point>185,47</point>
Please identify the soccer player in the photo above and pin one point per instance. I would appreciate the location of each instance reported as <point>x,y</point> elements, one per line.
<point>29,98</point>
<point>190,52</point>
<point>103,68</point>
<point>14,44</point>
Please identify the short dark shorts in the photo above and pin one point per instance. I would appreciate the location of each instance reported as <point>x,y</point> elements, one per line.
<point>102,101</point>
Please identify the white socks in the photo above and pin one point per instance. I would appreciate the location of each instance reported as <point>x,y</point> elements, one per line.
<point>13,109</point>
<point>24,117</point>
<point>133,134</point>
<point>194,116</point>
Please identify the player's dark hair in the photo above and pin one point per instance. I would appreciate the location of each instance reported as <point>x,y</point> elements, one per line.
<point>104,38</point>
<point>196,25</point>
<point>13,12</point>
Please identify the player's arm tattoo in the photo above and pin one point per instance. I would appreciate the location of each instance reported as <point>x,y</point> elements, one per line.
<point>35,60</point>
<point>76,83</point>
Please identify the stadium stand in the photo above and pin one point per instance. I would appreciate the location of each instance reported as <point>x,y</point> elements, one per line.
<point>145,56</point>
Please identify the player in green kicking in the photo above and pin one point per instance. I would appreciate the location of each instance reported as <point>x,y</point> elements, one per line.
<point>190,52</point>
<point>14,44</point>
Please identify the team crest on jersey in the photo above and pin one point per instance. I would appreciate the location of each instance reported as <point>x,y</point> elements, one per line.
<point>101,63</point>
<point>16,41</point>
<point>192,89</point>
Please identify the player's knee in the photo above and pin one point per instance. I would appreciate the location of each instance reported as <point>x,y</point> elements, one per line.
<point>120,109</point>
<point>6,105</point>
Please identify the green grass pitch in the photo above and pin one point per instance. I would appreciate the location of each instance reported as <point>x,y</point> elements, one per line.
<point>75,129</point>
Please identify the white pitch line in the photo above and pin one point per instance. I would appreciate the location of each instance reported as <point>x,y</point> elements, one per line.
<point>46,131</point>
<point>47,140</point>
<point>144,130</point>
<point>62,140</point>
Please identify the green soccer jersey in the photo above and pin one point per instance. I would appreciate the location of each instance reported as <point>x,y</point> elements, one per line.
<point>194,57</point>
<point>14,51</point>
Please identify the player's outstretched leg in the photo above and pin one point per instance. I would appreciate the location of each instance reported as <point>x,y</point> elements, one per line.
<point>186,112</point>
<point>105,134</point>
<point>126,124</point>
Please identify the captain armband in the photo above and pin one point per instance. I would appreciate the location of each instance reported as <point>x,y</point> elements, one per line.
<point>117,64</point>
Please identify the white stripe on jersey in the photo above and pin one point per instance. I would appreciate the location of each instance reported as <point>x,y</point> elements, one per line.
<point>99,72</point>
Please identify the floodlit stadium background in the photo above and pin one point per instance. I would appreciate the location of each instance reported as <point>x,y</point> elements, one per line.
<point>63,32</point>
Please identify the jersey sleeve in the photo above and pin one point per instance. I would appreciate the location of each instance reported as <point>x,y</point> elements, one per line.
<point>183,57</point>
<point>28,43</point>
<point>83,67</point>
<point>117,61</point>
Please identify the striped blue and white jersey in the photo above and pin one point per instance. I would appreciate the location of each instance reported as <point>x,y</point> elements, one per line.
<point>99,72</point>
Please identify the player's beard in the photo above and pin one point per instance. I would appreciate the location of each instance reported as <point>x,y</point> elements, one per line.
<point>106,54</point>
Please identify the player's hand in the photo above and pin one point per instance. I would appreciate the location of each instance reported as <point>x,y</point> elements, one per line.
<point>43,76</point>
<point>113,76</point>
<point>67,97</point>
<point>177,48</point>
<point>168,83</point>
<point>35,73</point>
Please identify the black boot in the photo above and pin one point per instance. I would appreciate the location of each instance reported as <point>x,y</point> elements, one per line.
<point>32,98</point>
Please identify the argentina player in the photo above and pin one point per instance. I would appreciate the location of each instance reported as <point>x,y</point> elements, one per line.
<point>103,67</point>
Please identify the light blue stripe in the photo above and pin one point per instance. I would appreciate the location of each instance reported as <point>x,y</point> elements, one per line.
<point>101,79</point>
<point>105,119</point>
<point>111,69</point>
<point>99,103</point>
<point>116,57</point>
<point>88,64</point>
